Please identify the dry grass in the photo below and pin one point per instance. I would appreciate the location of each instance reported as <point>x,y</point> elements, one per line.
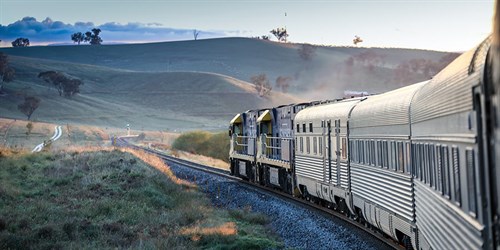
<point>102,197</point>
<point>228,228</point>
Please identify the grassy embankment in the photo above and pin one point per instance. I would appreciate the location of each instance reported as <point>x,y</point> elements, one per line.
<point>109,199</point>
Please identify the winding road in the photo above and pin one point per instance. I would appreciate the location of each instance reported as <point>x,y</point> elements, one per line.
<point>57,134</point>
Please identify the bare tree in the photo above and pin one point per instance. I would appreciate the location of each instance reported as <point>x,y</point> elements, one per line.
<point>29,105</point>
<point>6,73</point>
<point>261,84</point>
<point>280,33</point>
<point>195,34</point>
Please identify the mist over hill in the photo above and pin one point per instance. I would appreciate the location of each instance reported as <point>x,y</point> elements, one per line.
<point>201,84</point>
<point>326,75</point>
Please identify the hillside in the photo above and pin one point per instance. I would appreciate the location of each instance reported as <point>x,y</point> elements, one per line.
<point>171,101</point>
<point>329,72</point>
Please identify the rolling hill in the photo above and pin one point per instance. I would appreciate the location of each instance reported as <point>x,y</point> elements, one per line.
<point>201,84</point>
<point>147,100</point>
<point>328,72</point>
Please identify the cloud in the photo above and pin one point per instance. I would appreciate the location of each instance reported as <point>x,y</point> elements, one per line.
<point>54,32</point>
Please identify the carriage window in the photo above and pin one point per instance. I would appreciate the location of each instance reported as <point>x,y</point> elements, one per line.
<point>362,151</point>
<point>344,148</point>
<point>446,171</point>
<point>415,160</point>
<point>420,166</point>
<point>374,153</point>
<point>315,146</point>
<point>439,168</point>
<point>401,157</point>
<point>379,154</point>
<point>385,151</point>
<point>432,168</point>
<point>425,162</point>
<point>367,152</point>
<point>320,146</point>
<point>308,145</point>
<point>471,181</point>
<point>310,127</point>
<point>408,158</point>
<point>353,151</point>
<point>456,174</point>
<point>392,155</point>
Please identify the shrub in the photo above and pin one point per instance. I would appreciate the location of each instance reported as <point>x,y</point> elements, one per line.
<point>204,143</point>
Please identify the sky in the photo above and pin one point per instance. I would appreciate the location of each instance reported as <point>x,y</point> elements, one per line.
<point>444,25</point>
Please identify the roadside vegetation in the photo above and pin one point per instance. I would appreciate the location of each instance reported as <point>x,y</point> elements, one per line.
<point>215,145</point>
<point>105,199</point>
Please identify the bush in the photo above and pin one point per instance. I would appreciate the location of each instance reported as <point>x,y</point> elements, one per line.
<point>204,143</point>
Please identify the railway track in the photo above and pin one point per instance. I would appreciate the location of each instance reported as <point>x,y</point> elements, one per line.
<point>301,202</point>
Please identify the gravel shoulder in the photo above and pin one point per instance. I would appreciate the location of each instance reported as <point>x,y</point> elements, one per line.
<point>299,227</point>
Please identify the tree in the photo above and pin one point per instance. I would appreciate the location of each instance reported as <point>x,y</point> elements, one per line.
<point>195,34</point>
<point>78,37</point>
<point>71,87</point>
<point>63,84</point>
<point>29,105</point>
<point>283,82</point>
<point>280,33</point>
<point>93,37</point>
<point>29,126</point>
<point>6,73</point>
<point>261,84</point>
<point>357,40</point>
<point>306,52</point>
<point>21,42</point>
<point>264,37</point>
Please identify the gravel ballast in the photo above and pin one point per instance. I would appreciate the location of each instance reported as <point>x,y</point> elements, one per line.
<point>298,227</point>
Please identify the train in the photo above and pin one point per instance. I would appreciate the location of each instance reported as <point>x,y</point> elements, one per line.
<point>416,163</point>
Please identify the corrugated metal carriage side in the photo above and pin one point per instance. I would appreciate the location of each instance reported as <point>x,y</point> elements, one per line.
<point>446,127</point>
<point>322,166</point>
<point>379,142</point>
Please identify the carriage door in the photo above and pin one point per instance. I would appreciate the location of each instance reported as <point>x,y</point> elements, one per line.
<point>337,149</point>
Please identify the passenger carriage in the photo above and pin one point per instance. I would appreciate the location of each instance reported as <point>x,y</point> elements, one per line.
<point>381,180</point>
<point>452,208</point>
<point>322,165</point>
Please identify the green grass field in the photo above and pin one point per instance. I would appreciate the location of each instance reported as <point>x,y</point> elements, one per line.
<point>111,199</point>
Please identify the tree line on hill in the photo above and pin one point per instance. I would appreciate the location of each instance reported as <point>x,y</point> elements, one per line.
<point>92,37</point>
